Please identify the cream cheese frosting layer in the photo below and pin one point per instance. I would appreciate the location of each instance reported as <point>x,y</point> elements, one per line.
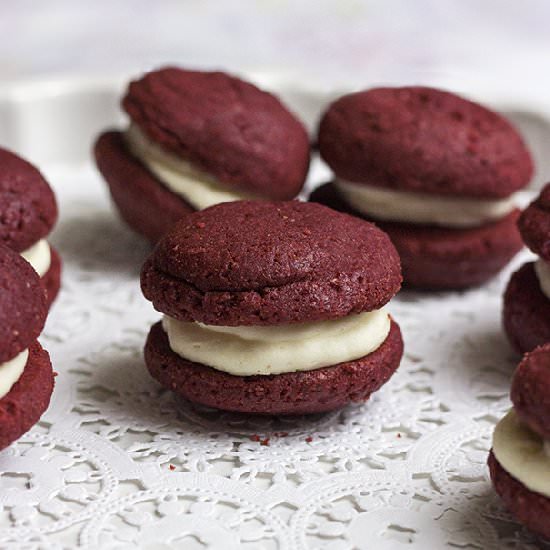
<point>542,269</point>
<point>39,255</point>
<point>523,454</point>
<point>253,350</point>
<point>422,208</point>
<point>11,371</point>
<point>198,188</point>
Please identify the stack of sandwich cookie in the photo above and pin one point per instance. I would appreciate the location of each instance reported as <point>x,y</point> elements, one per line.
<point>273,308</point>
<point>196,139</point>
<point>28,212</point>
<point>519,461</point>
<point>436,172</point>
<point>526,312</point>
<point>26,377</point>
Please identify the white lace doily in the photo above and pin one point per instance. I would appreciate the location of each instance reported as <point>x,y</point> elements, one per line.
<point>118,463</point>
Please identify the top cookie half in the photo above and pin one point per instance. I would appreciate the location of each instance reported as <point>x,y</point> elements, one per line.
<point>242,136</point>
<point>267,263</point>
<point>423,140</point>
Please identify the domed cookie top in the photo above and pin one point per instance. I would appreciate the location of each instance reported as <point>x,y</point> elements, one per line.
<point>423,140</point>
<point>534,224</point>
<point>531,390</point>
<point>22,304</point>
<point>236,132</point>
<point>28,210</point>
<point>263,263</point>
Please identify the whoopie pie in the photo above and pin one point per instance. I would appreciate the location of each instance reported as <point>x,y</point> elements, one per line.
<point>26,376</point>
<point>273,308</point>
<point>436,172</point>
<point>526,312</point>
<point>196,139</point>
<point>519,461</point>
<point>28,212</point>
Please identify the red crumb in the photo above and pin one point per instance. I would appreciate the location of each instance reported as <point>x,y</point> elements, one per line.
<point>398,435</point>
<point>172,467</point>
<point>309,439</point>
<point>265,440</point>
<point>55,373</point>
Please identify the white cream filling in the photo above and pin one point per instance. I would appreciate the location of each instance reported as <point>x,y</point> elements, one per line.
<point>523,454</point>
<point>542,269</point>
<point>11,371</point>
<point>422,208</point>
<point>247,351</point>
<point>198,188</point>
<point>39,255</point>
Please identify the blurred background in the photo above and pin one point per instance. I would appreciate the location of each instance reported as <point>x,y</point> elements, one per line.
<point>497,51</point>
<point>344,41</point>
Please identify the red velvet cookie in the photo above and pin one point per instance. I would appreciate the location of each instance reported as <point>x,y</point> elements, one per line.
<point>526,312</point>
<point>22,304</point>
<point>28,211</point>
<point>534,224</point>
<point>147,206</point>
<point>428,252</point>
<point>428,145</point>
<point>271,264</point>
<point>22,407</point>
<point>225,128</point>
<point>228,127</point>
<point>423,139</point>
<point>530,508</point>
<point>531,391</point>
<point>266,263</point>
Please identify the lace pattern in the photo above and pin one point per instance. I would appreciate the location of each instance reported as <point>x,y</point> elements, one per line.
<point>118,463</point>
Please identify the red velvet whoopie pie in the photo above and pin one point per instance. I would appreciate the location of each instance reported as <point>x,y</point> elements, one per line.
<point>26,381</point>
<point>433,170</point>
<point>28,212</point>
<point>273,308</point>
<point>519,461</point>
<point>526,311</point>
<point>196,139</point>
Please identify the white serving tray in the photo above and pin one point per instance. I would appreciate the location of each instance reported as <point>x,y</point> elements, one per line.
<point>118,463</point>
<point>55,121</point>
